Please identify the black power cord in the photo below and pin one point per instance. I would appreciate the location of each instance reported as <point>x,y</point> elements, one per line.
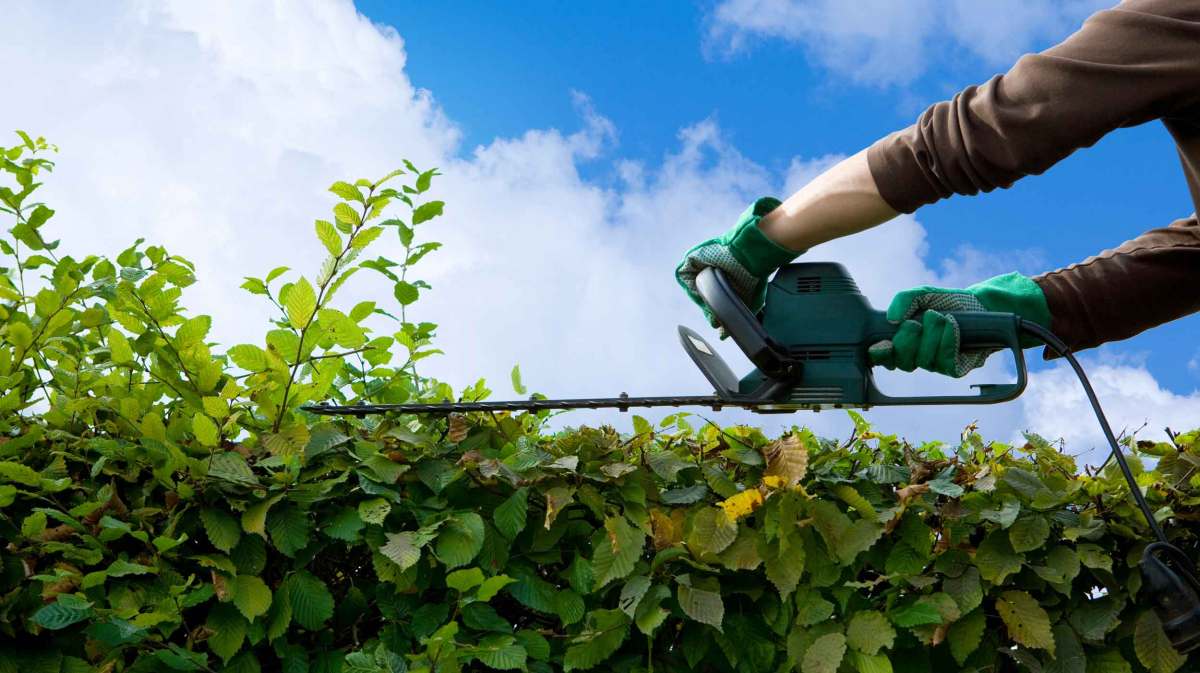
<point>1058,346</point>
<point>1171,584</point>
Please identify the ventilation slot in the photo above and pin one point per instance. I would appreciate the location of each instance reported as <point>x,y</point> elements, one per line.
<point>816,394</point>
<point>808,284</point>
<point>811,354</point>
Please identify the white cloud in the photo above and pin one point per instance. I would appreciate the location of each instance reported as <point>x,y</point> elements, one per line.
<point>214,130</point>
<point>1133,401</point>
<point>881,42</point>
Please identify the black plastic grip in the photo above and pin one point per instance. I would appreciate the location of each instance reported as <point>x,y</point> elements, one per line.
<point>740,323</point>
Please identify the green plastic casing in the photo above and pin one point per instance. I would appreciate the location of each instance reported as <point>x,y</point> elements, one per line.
<point>818,320</point>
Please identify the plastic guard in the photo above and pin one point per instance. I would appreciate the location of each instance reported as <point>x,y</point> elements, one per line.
<point>1172,587</point>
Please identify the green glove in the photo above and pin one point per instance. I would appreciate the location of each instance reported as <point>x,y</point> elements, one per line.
<point>929,339</point>
<point>744,253</point>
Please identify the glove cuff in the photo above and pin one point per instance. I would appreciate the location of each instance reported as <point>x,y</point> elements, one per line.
<point>1015,293</point>
<point>751,247</point>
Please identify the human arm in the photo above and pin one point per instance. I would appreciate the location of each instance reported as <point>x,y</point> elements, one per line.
<point>1125,66</point>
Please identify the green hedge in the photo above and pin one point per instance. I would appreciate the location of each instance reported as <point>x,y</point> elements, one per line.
<point>165,505</point>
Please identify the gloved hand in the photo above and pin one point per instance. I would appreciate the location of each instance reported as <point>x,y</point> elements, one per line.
<point>744,253</point>
<point>929,339</point>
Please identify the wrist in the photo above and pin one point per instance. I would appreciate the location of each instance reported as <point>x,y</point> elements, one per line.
<point>753,247</point>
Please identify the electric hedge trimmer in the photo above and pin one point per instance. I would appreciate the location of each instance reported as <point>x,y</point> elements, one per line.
<point>809,348</point>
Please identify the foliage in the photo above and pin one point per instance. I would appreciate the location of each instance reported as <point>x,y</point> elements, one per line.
<point>167,506</point>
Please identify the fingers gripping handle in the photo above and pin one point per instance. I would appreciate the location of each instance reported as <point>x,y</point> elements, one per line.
<point>1000,331</point>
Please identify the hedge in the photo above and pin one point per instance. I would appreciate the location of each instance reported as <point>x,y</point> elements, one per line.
<point>167,506</point>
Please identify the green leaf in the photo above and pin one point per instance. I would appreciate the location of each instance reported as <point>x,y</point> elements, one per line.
<point>869,632</point>
<point>289,528</point>
<point>569,606</point>
<point>460,539</point>
<point>345,525</point>
<point>1107,661</point>
<point>965,589</point>
<point>222,529</point>
<point>464,580</point>
<point>309,598</point>
<point>784,563</point>
<point>347,191</point>
<point>918,613</point>
<point>492,586</point>
<point>483,617</point>
<point>515,376</point>
<point>501,652</point>
<point>1029,533</point>
<point>366,237</point>
<point>616,550</point>
<point>996,559</point>
<point>254,519</point>
<point>251,596</point>
<point>231,466</point>
<point>248,357</point>
<point>123,568</point>
<point>118,345</point>
<point>193,331</point>
<point>60,615</point>
<point>649,614</point>
<point>346,215</point>
<point>404,549</point>
<point>1152,646</point>
<point>1094,556</point>
<point>510,515</point>
<point>205,430</point>
<point>870,663</point>
<point>374,511</point>
<point>667,465</point>
<point>301,303</point>
<point>965,635</point>
<point>602,635</point>
<point>825,654</point>
<point>1028,624</point>
<point>405,292</point>
<point>228,630</point>
<point>1068,652</point>
<point>702,602</point>
<point>1093,619</point>
<point>15,472</point>
<point>329,237</point>
<point>426,212</point>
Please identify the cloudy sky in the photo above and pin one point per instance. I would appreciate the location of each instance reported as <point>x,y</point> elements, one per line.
<point>584,146</point>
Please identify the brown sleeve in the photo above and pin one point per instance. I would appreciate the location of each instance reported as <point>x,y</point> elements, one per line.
<point>1145,282</point>
<point>1127,65</point>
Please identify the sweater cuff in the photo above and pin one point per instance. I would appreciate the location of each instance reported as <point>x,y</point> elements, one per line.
<point>896,169</point>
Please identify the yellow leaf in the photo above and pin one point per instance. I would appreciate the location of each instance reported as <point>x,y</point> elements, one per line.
<point>742,504</point>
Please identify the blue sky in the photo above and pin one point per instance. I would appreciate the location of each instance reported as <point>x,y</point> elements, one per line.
<point>652,68</point>
<point>583,146</point>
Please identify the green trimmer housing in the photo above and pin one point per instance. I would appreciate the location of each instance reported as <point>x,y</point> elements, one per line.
<point>809,344</point>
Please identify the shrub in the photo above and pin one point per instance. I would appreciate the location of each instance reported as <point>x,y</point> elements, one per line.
<point>167,506</point>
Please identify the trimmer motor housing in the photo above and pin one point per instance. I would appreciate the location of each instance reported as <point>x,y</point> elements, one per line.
<point>809,345</point>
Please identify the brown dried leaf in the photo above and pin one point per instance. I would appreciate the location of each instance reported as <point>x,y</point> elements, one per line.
<point>458,428</point>
<point>907,493</point>
<point>57,533</point>
<point>557,498</point>
<point>787,458</point>
<point>220,587</point>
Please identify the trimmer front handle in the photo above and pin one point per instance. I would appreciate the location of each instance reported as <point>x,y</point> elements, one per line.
<point>1000,331</point>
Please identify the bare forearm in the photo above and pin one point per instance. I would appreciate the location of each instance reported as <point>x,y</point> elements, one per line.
<point>841,201</point>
